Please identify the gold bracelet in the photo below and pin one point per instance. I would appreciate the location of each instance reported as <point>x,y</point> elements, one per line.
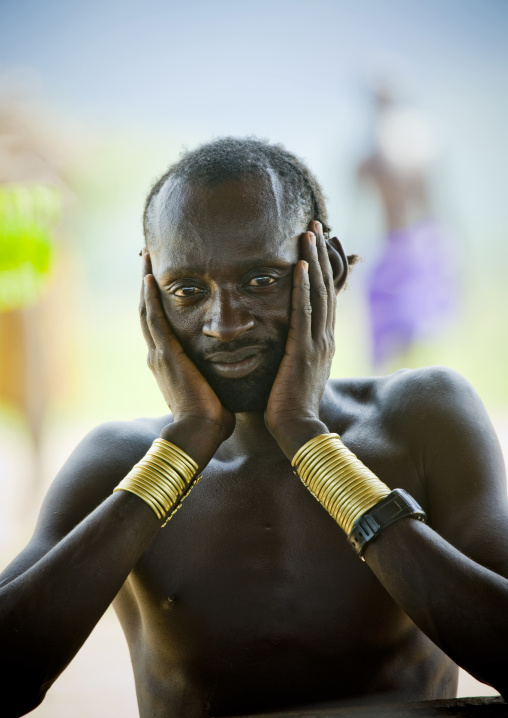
<point>344,486</point>
<point>162,478</point>
<point>146,498</point>
<point>145,485</point>
<point>168,477</point>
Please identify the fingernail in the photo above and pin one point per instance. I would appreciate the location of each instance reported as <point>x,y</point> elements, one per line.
<point>312,238</point>
<point>306,266</point>
<point>319,227</point>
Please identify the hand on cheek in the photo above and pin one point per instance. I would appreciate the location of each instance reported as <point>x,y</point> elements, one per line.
<point>292,414</point>
<point>185,390</point>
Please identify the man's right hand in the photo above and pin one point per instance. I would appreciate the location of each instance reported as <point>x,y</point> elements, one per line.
<point>195,407</point>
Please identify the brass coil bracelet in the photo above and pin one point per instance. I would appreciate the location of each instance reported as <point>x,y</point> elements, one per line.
<point>162,479</point>
<point>337,478</point>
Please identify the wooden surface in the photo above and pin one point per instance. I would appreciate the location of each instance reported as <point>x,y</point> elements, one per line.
<point>491,707</point>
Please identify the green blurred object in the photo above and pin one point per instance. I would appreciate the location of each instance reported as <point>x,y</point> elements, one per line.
<point>29,214</point>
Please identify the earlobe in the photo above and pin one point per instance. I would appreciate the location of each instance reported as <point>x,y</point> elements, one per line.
<point>338,261</point>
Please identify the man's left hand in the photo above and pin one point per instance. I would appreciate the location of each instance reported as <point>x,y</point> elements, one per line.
<point>292,413</point>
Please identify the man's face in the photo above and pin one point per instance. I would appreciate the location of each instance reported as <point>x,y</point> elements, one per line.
<point>223,257</point>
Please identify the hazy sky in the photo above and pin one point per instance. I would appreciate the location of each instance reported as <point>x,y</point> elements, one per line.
<point>291,71</point>
<point>183,71</point>
<point>234,66</point>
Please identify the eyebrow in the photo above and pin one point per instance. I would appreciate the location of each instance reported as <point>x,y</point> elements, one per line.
<point>194,270</point>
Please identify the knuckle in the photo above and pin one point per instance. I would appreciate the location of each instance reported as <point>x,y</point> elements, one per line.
<point>326,344</point>
<point>155,360</point>
<point>159,359</point>
<point>152,324</point>
<point>320,291</point>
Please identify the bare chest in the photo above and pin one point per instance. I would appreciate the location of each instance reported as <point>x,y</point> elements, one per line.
<point>253,580</point>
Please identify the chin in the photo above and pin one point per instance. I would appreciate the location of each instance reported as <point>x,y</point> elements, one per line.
<point>241,404</point>
<point>249,393</point>
<point>243,395</point>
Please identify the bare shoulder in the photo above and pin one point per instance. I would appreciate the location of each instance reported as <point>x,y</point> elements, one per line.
<point>432,385</point>
<point>87,478</point>
<point>93,469</point>
<point>115,445</point>
<point>408,396</point>
<point>434,411</point>
<point>108,452</point>
<point>437,407</point>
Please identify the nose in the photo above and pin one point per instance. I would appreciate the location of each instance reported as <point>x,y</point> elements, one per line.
<point>228,316</point>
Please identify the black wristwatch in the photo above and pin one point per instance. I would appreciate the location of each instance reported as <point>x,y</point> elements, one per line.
<point>397,505</point>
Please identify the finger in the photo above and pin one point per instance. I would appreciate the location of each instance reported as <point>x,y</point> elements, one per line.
<point>326,269</point>
<point>318,291</point>
<point>146,269</point>
<point>301,309</point>
<point>156,320</point>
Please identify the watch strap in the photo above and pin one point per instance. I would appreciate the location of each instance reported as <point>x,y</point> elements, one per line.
<point>397,505</point>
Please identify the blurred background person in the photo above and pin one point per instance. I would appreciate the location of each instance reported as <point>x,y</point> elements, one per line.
<point>412,287</point>
<point>34,192</point>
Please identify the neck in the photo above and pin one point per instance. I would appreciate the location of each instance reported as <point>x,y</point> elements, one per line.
<point>250,438</point>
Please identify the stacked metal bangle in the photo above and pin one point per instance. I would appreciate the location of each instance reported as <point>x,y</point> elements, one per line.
<point>161,478</point>
<point>337,478</point>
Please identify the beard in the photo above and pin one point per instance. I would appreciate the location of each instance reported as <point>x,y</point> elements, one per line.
<point>249,393</point>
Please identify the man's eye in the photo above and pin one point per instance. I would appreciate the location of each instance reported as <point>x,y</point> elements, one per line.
<point>187,291</point>
<point>263,281</point>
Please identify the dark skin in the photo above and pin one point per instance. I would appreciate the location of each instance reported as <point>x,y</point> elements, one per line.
<point>250,599</point>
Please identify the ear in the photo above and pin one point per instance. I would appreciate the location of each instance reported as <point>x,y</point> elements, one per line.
<point>338,260</point>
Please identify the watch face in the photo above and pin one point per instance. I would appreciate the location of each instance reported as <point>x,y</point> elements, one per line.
<point>397,505</point>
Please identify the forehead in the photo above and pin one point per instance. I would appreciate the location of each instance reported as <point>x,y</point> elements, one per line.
<point>231,219</point>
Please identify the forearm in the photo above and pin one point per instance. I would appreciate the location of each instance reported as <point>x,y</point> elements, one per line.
<point>291,435</point>
<point>459,604</point>
<point>48,609</point>
<point>47,613</point>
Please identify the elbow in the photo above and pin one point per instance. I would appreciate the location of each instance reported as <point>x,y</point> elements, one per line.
<point>18,700</point>
<point>501,685</point>
<point>22,689</point>
<point>494,675</point>
<point>26,665</point>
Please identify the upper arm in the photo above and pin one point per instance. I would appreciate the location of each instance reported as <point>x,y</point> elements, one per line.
<point>86,479</point>
<point>463,468</point>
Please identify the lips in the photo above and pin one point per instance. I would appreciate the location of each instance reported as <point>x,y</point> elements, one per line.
<point>238,363</point>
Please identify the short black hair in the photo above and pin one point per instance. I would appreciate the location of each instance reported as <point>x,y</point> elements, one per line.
<point>234,158</point>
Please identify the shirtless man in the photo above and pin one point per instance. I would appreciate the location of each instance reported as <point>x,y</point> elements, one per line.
<point>250,599</point>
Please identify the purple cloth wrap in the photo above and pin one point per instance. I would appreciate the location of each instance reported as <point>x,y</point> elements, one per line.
<point>412,289</point>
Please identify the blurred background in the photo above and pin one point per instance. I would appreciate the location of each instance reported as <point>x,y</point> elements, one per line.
<point>400,109</point>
